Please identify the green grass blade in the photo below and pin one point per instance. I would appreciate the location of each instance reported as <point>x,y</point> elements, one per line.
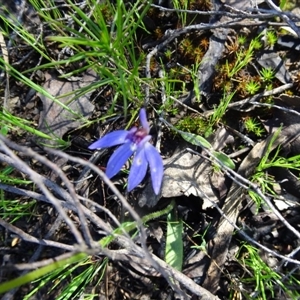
<point>33,275</point>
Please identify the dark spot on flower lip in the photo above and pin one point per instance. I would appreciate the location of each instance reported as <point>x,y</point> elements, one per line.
<point>138,135</point>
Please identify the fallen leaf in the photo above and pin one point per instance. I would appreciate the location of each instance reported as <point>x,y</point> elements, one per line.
<point>270,59</point>
<point>189,174</point>
<point>56,120</point>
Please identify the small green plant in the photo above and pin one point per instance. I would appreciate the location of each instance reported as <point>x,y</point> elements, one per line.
<point>266,182</point>
<point>242,40</point>
<point>168,54</point>
<point>271,38</point>
<point>253,125</point>
<point>264,278</point>
<point>203,244</point>
<point>186,47</point>
<point>256,44</point>
<point>267,74</point>
<point>100,47</point>
<point>17,125</point>
<point>181,5</point>
<point>219,111</point>
<point>252,87</point>
<point>169,106</point>
<point>195,79</point>
<point>90,268</point>
<point>243,58</point>
<point>14,209</point>
<point>261,177</point>
<point>292,163</point>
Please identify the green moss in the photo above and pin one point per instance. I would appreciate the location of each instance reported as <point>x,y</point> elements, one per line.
<point>253,125</point>
<point>193,124</point>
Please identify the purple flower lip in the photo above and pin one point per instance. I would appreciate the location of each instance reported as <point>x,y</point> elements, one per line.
<point>134,141</point>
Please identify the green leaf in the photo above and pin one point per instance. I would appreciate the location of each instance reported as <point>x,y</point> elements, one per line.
<point>196,140</point>
<point>4,130</point>
<point>174,243</point>
<point>282,4</point>
<point>225,160</point>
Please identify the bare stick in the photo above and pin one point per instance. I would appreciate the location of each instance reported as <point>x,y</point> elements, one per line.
<point>38,180</point>
<point>29,238</point>
<point>284,17</point>
<point>61,174</point>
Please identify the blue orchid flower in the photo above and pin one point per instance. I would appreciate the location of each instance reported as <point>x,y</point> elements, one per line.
<point>134,141</point>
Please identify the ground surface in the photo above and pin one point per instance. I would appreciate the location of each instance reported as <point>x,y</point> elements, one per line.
<point>207,80</point>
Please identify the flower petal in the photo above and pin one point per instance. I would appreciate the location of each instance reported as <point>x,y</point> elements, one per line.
<point>145,140</point>
<point>143,119</point>
<point>111,139</point>
<point>138,169</point>
<point>118,159</point>
<point>156,166</point>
